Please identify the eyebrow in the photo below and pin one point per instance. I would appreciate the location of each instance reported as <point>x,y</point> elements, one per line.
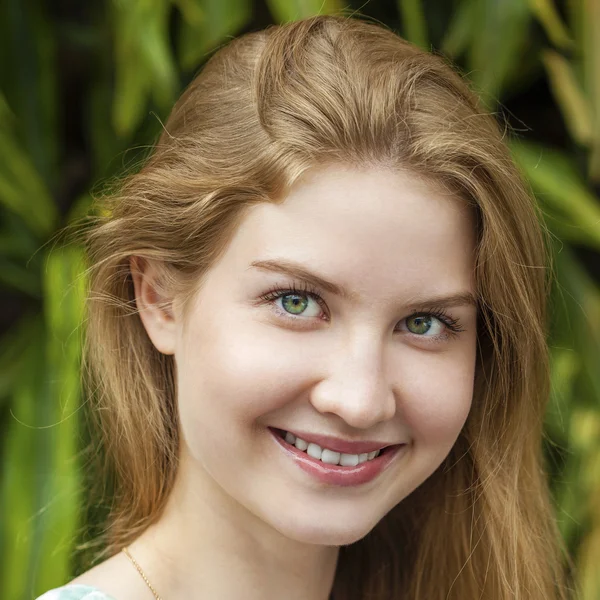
<point>298,271</point>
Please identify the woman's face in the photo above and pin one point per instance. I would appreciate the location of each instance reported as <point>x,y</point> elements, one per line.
<point>379,362</point>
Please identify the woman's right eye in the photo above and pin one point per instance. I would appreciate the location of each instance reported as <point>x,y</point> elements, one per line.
<point>294,303</point>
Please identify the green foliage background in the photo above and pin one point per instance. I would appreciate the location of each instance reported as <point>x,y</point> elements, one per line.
<point>137,56</point>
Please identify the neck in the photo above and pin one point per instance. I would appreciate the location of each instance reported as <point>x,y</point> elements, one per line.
<point>207,545</point>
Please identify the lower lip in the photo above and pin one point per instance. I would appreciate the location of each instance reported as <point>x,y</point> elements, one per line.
<point>334,474</point>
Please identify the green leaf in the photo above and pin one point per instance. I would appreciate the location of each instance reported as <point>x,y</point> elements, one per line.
<point>192,11</point>
<point>131,90</point>
<point>581,324</point>
<point>64,292</point>
<point>588,556</point>
<point>284,11</point>
<point>575,107</point>
<point>565,368</point>
<point>19,278</point>
<point>500,37</point>
<point>25,449</point>
<point>206,24</point>
<point>22,190</point>
<point>591,44</point>
<point>40,487</point>
<point>460,30</point>
<point>28,79</point>
<point>558,184</point>
<point>17,242</point>
<point>574,407</point>
<point>413,20</point>
<point>143,60</point>
<point>64,286</point>
<point>105,143</point>
<point>584,21</point>
<point>13,348</point>
<point>548,16</point>
<point>80,209</point>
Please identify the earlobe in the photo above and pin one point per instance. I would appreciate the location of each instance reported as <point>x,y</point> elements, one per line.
<point>154,308</point>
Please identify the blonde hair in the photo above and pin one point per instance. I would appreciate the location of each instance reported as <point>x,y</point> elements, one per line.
<point>265,108</point>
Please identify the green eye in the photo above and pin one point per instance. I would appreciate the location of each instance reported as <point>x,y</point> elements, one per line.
<point>294,303</point>
<point>422,324</point>
<point>433,325</point>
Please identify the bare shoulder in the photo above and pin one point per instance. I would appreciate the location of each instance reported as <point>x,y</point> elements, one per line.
<point>116,578</point>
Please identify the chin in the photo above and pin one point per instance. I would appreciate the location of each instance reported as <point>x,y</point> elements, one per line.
<point>326,533</point>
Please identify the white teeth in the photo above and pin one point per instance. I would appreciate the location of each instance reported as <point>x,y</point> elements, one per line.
<point>301,444</point>
<point>314,450</point>
<point>329,456</point>
<point>349,460</point>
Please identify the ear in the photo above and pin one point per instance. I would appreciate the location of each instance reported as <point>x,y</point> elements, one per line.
<point>154,308</point>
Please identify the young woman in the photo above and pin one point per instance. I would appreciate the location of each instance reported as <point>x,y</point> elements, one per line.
<point>316,338</point>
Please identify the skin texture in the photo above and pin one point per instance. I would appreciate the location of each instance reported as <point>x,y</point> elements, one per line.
<point>356,368</point>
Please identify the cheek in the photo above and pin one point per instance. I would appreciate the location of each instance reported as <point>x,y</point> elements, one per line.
<point>436,406</point>
<point>231,368</point>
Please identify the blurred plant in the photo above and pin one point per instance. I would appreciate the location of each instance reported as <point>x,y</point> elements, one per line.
<point>141,53</point>
<point>496,39</point>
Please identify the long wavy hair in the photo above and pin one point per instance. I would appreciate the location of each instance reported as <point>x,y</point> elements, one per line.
<point>265,108</point>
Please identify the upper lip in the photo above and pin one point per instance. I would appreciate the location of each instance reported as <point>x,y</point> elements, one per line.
<point>337,444</point>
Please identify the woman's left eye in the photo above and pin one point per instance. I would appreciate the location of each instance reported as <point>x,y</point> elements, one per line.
<point>294,303</point>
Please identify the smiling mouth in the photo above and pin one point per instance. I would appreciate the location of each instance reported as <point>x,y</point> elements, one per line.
<point>330,456</point>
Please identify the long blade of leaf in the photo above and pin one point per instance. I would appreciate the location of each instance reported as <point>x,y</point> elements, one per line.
<point>413,20</point>
<point>64,288</point>
<point>591,10</point>
<point>570,96</point>
<point>500,36</point>
<point>461,29</point>
<point>207,24</point>
<point>548,16</point>
<point>22,486</point>
<point>284,11</point>
<point>557,183</point>
<point>22,190</point>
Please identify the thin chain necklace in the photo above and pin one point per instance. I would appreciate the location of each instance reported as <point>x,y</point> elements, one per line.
<point>135,564</point>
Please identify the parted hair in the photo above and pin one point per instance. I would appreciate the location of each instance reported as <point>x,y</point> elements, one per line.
<point>265,108</point>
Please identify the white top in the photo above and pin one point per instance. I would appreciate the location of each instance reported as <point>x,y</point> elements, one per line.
<point>75,591</point>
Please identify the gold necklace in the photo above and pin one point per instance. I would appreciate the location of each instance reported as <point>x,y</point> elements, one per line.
<point>126,552</point>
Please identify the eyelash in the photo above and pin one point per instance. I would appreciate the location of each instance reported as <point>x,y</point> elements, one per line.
<point>453,326</point>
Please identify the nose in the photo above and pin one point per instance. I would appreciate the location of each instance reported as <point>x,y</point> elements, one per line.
<point>356,386</point>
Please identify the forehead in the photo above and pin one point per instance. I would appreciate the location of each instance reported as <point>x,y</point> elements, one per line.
<point>373,227</point>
